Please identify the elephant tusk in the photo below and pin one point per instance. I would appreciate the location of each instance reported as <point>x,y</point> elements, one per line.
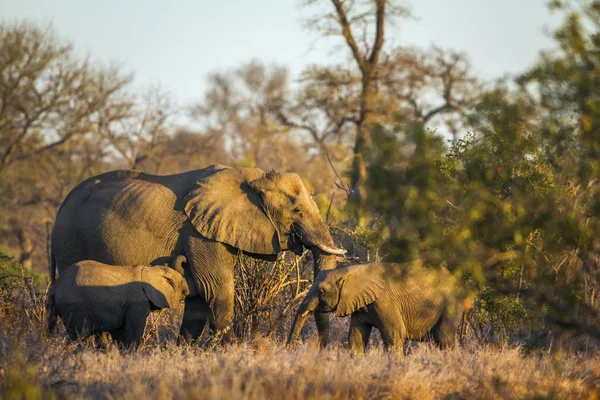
<point>331,250</point>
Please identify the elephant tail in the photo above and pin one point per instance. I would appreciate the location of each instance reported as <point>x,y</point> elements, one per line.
<point>52,268</point>
<point>51,311</point>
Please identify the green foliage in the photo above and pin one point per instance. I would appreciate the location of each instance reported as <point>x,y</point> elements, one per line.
<point>404,183</point>
<point>503,313</point>
<point>21,378</point>
<point>566,83</point>
<point>12,273</point>
<point>514,204</point>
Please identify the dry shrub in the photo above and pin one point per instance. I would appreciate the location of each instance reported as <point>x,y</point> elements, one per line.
<point>267,293</point>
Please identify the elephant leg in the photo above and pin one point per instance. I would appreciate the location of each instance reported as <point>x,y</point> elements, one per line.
<point>221,317</point>
<point>393,332</point>
<point>212,268</point>
<point>77,326</point>
<point>322,321</point>
<point>135,322</point>
<point>386,316</point>
<point>444,333</point>
<point>195,315</point>
<point>392,341</point>
<point>358,336</point>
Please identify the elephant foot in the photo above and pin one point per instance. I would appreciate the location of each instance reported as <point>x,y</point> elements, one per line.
<point>217,340</point>
<point>209,341</point>
<point>195,316</point>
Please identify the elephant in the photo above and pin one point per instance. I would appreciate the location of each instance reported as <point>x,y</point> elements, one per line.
<point>209,215</point>
<point>91,298</point>
<point>403,301</point>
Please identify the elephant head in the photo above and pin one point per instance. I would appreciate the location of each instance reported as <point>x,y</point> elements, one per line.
<point>258,212</point>
<point>343,291</point>
<point>164,287</point>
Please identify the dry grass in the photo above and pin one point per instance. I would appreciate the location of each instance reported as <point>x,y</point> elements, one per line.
<point>264,369</point>
<point>34,366</point>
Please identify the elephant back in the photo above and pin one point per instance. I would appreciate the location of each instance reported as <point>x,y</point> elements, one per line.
<point>122,218</point>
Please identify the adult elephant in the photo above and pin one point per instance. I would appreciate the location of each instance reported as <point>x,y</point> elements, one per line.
<point>209,215</point>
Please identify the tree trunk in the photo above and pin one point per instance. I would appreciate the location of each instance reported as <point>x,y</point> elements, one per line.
<point>362,148</point>
<point>368,65</point>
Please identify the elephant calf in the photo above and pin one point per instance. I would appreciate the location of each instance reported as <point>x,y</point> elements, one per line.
<point>403,301</point>
<point>91,297</point>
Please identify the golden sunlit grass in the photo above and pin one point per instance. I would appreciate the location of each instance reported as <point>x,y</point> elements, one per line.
<point>265,369</point>
<point>35,366</point>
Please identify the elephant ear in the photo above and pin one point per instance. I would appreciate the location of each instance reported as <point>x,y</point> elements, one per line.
<point>160,286</point>
<point>360,286</point>
<point>226,208</point>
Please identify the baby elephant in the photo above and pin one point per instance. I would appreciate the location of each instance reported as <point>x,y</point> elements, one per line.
<point>403,301</point>
<point>91,297</point>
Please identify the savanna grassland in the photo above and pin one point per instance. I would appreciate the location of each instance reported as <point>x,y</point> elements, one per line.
<point>409,154</point>
<point>33,365</point>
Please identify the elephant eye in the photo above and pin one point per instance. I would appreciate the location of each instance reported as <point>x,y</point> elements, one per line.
<point>170,281</point>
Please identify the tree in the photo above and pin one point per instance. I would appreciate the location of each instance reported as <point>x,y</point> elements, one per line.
<point>237,105</point>
<point>370,18</point>
<point>434,87</point>
<point>48,97</point>
<point>244,107</point>
<point>188,149</point>
<point>137,128</point>
<point>513,205</point>
<point>565,85</point>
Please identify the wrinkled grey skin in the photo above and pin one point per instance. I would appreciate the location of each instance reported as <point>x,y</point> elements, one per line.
<point>403,301</point>
<point>91,298</point>
<point>209,215</point>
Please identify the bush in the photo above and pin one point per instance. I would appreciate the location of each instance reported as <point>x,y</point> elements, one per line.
<point>267,293</point>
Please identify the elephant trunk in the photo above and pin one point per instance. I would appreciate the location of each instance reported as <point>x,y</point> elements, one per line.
<point>315,234</point>
<point>322,261</point>
<point>177,264</point>
<point>308,306</point>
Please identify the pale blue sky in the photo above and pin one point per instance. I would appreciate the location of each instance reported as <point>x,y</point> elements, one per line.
<point>177,43</point>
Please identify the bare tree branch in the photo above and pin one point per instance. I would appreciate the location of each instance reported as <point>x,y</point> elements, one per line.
<point>380,26</point>
<point>347,33</point>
